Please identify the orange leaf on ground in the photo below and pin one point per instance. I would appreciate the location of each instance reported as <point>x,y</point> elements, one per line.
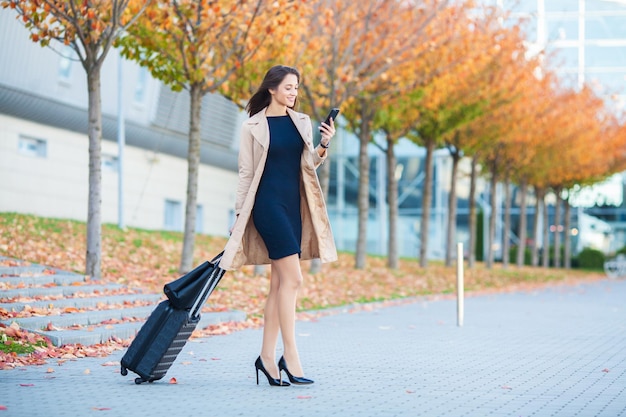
<point>173,380</point>
<point>3,407</point>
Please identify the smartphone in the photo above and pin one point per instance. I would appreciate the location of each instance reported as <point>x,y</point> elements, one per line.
<point>332,114</point>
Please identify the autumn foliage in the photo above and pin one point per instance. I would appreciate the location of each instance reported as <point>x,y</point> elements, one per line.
<point>442,73</point>
<point>146,260</point>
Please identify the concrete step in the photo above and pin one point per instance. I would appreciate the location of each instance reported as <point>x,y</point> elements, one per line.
<point>63,290</point>
<point>41,280</point>
<point>82,319</point>
<point>101,334</point>
<point>84,302</point>
<point>31,269</point>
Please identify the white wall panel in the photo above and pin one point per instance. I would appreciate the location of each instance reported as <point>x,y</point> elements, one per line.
<point>57,185</point>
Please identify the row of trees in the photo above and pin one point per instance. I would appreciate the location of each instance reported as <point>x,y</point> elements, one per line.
<point>441,73</point>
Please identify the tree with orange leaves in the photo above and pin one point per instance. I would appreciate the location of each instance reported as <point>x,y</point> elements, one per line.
<point>204,47</point>
<point>451,91</point>
<point>89,27</point>
<point>351,54</point>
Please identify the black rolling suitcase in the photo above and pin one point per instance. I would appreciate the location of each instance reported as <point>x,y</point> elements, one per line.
<point>164,334</point>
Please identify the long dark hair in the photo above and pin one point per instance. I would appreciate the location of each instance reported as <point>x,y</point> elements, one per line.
<point>262,98</point>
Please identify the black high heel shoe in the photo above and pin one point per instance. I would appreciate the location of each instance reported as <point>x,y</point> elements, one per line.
<point>297,380</point>
<point>258,364</point>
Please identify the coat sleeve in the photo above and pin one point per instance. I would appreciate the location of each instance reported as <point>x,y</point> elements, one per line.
<point>246,167</point>
<point>317,159</point>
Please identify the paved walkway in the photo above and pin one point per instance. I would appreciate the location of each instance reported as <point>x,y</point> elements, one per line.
<point>554,352</point>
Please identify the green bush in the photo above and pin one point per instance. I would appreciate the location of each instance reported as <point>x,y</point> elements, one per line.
<point>527,255</point>
<point>621,251</point>
<point>590,259</point>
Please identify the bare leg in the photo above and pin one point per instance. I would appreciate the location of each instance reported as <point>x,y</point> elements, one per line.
<point>271,326</point>
<point>290,275</point>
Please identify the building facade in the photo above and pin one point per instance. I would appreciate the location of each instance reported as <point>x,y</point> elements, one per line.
<point>44,145</point>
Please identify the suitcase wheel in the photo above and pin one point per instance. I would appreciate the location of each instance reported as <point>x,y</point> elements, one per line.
<point>139,380</point>
<point>124,371</point>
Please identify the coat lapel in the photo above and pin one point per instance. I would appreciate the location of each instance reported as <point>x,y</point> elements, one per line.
<point>301,121</point>
<point>260,129</point>
<point>261,132</point>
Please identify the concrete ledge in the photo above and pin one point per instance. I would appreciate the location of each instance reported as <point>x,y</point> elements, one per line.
<point>82,319</point>
<point>59,279</point>
<point>84,302</point>
<point>102,334</point>
<point>61,290</point>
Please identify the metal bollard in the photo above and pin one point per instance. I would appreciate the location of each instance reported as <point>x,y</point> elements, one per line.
<point>459,285</point>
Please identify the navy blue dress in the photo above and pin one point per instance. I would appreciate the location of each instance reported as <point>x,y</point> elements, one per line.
<point>276,212</point>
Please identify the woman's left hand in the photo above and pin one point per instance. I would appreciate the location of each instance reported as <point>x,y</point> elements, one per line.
<point>328,131</point>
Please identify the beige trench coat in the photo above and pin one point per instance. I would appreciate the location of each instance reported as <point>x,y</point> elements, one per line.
<point>245,246</point>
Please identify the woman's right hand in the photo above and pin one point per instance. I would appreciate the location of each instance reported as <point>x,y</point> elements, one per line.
<point>230,231</point>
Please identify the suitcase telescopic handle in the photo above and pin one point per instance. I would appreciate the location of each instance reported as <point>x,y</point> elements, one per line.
<point>211,283</point>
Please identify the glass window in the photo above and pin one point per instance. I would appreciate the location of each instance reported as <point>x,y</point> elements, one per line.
<point>608,82</point>
<point>109,163</point>
<point>605,56</point>
<point>605,27</point>
<point>561,5</point>
<point>562,29</point>
<point>517,6</point>
<point>613,5</point>
<point>140,85</point>
<point>562,57</point>
<point>32,147</point>
<point>173,215</point>
<point>66,61</point>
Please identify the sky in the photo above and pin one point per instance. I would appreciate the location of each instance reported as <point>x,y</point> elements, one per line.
<point>610,192</point>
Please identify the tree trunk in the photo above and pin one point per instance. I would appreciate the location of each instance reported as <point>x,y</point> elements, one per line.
<point>492,217</point>
<point>450,246</point>
<point>94,206</point>
<point>392,200</point>
<point>557,229</point>
<point>364,191</point>
<point>567,240</point>
<point>536,231</point>
<point>545,249</point>
<point>426,201</point>
<point>507,223</point>
<point>472,213</point>
<point>193,167</point>
<point>521,248</point>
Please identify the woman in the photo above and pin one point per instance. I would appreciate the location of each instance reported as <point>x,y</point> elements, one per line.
<point>280,211</point>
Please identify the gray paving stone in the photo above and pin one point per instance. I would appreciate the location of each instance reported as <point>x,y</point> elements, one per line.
<point>539,354</point>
